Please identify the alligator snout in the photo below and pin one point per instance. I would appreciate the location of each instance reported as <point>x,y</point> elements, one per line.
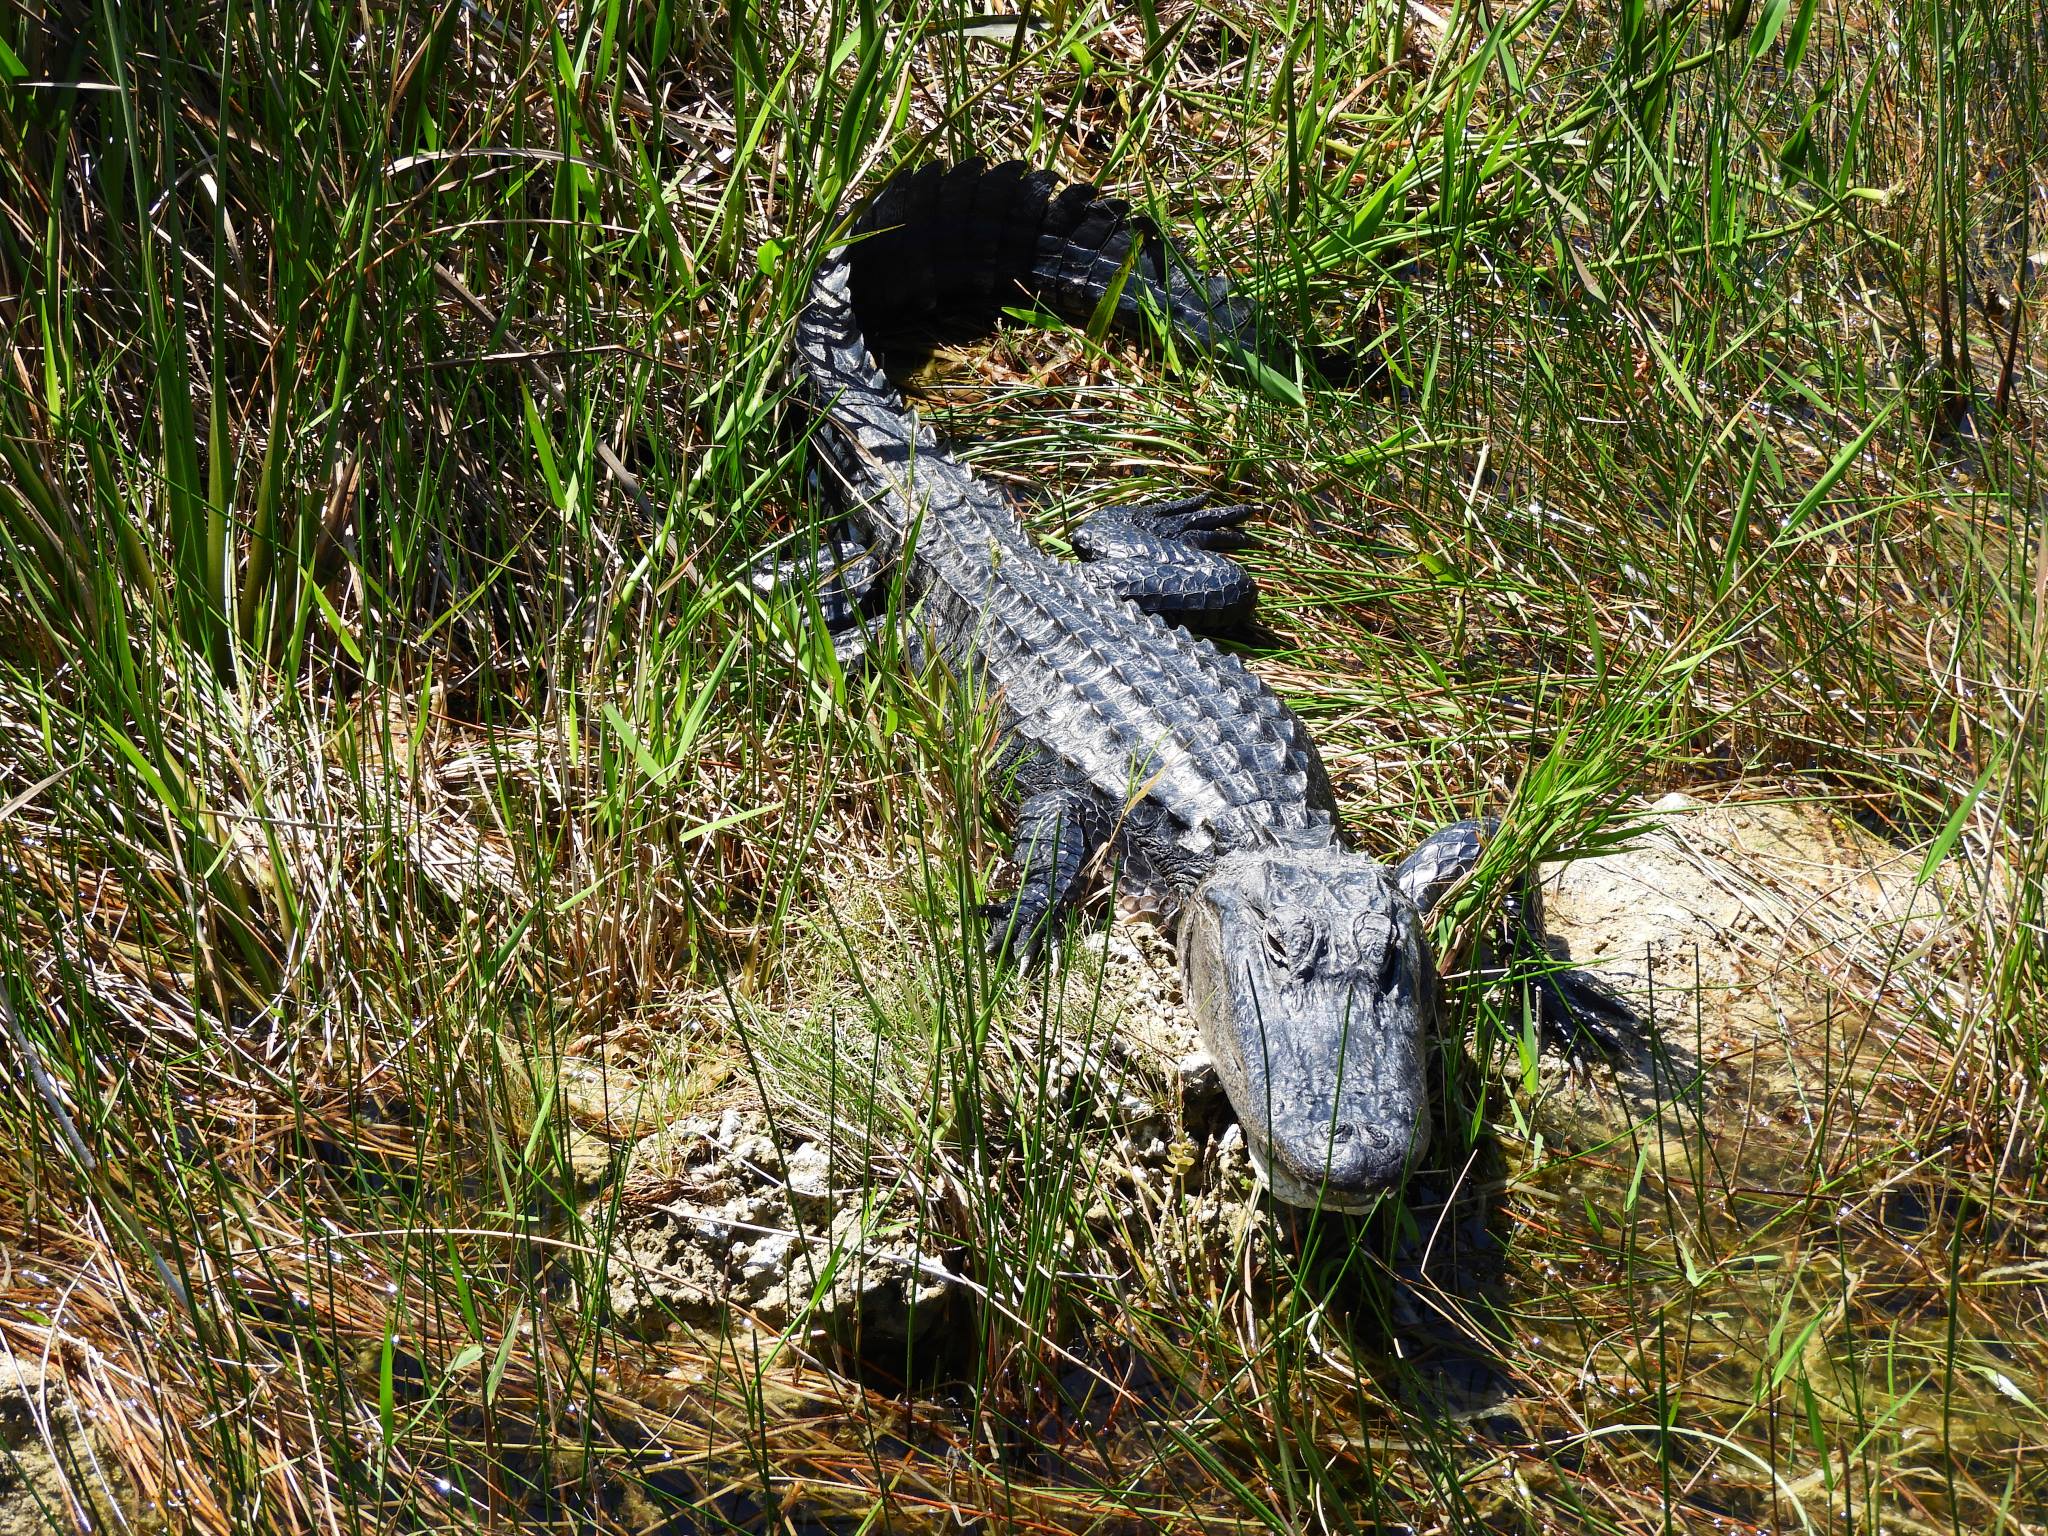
<point>1345,1167</point>
<point>1360,1163</point>
<point>1366,1157</point>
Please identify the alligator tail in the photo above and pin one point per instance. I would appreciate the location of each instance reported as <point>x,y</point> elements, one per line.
<point>939,252</point>
<point>935,258</point>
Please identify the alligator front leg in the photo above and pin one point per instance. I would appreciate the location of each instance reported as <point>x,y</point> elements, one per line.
<point>1166,557</point>
<point>846,578</point>
<point>1058,832</point>
<point>1576,1007</point>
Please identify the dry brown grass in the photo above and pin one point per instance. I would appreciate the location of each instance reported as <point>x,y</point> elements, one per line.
<point>489,779</point>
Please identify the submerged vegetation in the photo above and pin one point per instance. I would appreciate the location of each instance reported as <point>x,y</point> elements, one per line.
<point>419,842</point>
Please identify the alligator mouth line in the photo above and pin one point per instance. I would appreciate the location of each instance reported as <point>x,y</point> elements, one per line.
<point>1289,1190</point>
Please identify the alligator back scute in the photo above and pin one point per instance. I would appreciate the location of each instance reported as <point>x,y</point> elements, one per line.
<point>1136,708</point>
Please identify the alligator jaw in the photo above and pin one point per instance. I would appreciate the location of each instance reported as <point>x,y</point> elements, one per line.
<point>1314,1196</point>
<point>1310,978</point>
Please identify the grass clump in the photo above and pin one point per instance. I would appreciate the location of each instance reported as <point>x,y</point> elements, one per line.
<point>391,747</point>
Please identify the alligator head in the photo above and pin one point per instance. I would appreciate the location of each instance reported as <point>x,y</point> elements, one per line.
<point>1310,977</point>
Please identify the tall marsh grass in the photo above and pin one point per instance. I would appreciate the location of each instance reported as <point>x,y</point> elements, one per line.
<point>392,404</point>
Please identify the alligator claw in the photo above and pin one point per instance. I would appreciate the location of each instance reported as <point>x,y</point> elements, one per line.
<point>1582,1015</point>
<point>842,574</point>
<point>1194,521</point>
<point>1017,930</point>
<point>1167,557</point>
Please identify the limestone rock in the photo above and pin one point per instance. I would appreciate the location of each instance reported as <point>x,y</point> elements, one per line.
<point>54,1476</point>
<point>1766,947</point>
<point>719,1227</point>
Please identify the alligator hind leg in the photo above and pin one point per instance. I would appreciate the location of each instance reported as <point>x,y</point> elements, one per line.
<point>846,578</point>
<point>1167,557</point>
<point>1576,1006</point>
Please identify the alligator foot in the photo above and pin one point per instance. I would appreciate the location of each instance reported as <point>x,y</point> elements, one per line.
<point>1579,1014</point>
<point>1018,930</point>
<point>1167,557</point>
<point>1058,831</point>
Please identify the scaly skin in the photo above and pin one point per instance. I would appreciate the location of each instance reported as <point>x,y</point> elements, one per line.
<point>1307,966</point>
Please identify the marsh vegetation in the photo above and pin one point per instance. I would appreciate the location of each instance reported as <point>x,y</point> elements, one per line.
<point>428,867</point>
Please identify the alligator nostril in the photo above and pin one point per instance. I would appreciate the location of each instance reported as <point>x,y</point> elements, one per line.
<point>1343,1135</point>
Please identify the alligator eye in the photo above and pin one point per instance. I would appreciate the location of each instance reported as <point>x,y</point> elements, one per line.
<point>1376,944</point>
<point>1293,947</point>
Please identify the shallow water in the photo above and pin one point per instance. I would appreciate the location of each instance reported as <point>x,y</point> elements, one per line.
<point>1755,1258</point>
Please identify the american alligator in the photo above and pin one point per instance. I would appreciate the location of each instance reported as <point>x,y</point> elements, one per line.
<point>1307,966</point>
